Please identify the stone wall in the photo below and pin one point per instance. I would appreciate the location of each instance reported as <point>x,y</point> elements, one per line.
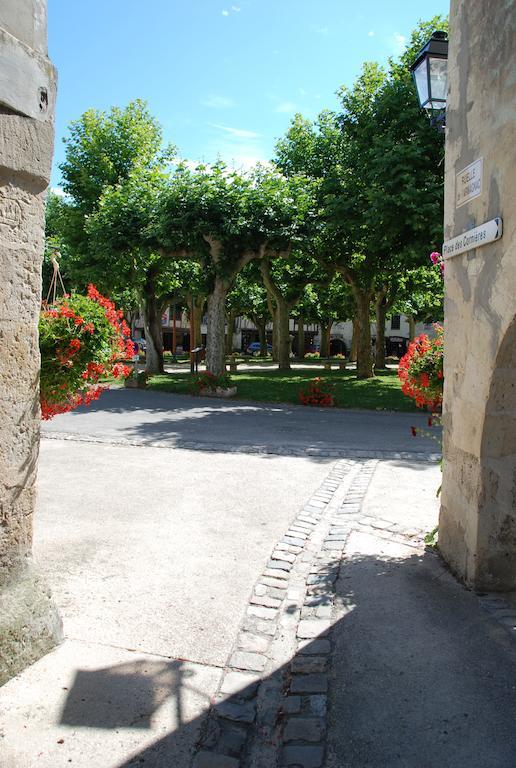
<point>29,625</point>
<point>477,532</point>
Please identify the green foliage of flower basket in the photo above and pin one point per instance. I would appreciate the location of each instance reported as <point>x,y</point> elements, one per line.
<point>82,340</point>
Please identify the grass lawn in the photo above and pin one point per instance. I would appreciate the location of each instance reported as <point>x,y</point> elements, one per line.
<point>383,393</point>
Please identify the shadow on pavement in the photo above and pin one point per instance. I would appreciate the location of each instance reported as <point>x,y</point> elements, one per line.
<point>421,677</point>
<point>184,421</point>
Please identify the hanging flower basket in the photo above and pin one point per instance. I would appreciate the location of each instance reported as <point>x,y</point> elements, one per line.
<point>82,340</point>
<point>421,371</point>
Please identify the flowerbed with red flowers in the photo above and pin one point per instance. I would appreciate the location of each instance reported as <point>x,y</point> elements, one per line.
<point>82,339</point>
<point>209,382</point>
<point>318,392</point>
<point>421,370</point>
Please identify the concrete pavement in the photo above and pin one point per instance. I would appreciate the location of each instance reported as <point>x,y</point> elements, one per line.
<point>171,569</point>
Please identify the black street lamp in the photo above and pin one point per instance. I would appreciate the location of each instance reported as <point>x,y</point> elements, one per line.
<point>430,73</point>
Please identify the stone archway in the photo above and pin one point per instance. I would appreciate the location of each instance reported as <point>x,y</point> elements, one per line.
<point>496,537</point>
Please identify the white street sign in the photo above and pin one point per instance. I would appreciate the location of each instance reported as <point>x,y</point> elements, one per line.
<point>468,183</point>
<point>485,233</point>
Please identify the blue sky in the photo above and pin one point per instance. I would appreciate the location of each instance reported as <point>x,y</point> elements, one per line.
<point>222,77</point>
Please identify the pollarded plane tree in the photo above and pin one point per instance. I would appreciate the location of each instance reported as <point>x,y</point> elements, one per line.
<point>115,164</point>
<point>327,304</point>
<point>248,298</point>
<point>379,163</point>
<point>285,281</point>
<point>224,220</point>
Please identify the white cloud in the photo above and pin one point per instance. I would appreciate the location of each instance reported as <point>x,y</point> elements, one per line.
<point>286,107</point>
<point>302,92</point>
<point>235,8</point>
<point>399,43</point>
<point>58,191</point>
<point>217,102</point>
<point>323,31</point>
<point>225,13</point>
<point>238,147</point>
<point>236,133</point>
<point>371,33</point>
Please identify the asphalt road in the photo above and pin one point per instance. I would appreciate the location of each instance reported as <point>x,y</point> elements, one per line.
<point>183,421</point>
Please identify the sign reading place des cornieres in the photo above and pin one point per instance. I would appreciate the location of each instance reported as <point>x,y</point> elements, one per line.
<point>473,238</point>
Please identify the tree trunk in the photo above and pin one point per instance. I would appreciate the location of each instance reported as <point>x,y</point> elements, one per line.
<point>364,354</point>
<point>229,334</point>
<point>381,310</point>
<point>353,352</point>
<point>324,350</point>
<point>153,331</point>
<point>301,337</point>
<point>262,335</point>
<point>198,305</point>
<point>216,327</point>
<point>283,335</point>
<point>274,317</point>
<point>412,328</point>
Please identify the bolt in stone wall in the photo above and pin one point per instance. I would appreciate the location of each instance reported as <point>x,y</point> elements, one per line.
<point>29,624</point>
<point>477,531</point>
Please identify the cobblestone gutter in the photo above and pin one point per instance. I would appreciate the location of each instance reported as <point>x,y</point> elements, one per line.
<point>271,707</point>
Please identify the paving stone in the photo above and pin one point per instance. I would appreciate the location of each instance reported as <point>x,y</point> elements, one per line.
<point>275,581</point>
<point>308,665</point>
<point>252,624</point>
<point>247,660</point>
<point>309,684</point>
<point>248,641</point>
<point>239,712</point>
<point>382,524</point>
<point>288,548</point>
<point>291,533</point>
<point>261,612</point>
<point>304,728</point>
<point>296,541</point>
<point>313,601</point>
<point>301,525</point>
<point>321,578</point>
<point>282,555</point>
<point>266,601</point>
<point>301,757</point>
<point>240,683</point>
<point>318,704</point>
<point>308,519</point>
<point>279,565</point>
<point>291,705</point>
<point>232,737</point>
<point>324,611</point>
<point>275,573</point>
<point>297,530</point>
<point>317,504</point>
<point>260,589</point>
<point>333,545</point>
<point>211,760</point>
<point>337,536</point>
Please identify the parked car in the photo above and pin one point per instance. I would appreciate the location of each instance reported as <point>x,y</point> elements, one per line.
<point>255,347</point>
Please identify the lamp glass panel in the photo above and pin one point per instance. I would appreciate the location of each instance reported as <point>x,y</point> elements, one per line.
<point>438,78</point>
<point>420,76</point>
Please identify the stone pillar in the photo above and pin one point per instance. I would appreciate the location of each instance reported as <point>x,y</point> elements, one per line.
<point>29,624</point>
<point>477,530</point>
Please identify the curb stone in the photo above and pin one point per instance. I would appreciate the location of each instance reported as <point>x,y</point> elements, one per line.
<point>273,449</point>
